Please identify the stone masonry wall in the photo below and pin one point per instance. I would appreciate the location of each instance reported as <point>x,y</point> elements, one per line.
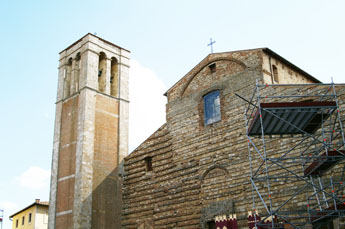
<point>203,165</point>
<point>286,74</point>
<point>146,192</point>
<point>201,171</point>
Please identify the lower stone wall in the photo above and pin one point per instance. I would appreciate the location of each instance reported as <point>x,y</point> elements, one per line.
<point>199,173</point>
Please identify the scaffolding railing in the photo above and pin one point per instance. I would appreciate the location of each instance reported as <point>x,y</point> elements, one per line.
<point>296,150</point>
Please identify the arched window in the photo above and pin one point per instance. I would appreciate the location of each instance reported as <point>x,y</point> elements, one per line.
<point>275,73</point>
<point>67,80</point>
<point>102,69</point>
<point>114,77</point>
<point>77,72</point>
<point>211,108</point>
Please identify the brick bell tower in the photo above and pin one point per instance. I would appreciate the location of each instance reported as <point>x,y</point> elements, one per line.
<point>91,135</point>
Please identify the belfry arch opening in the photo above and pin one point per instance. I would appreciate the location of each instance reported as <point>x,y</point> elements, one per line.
<point>102,69</point>
<point>76,72</point>
<point>67,80</point>
<point>114,77</point>
<point>275,73</point>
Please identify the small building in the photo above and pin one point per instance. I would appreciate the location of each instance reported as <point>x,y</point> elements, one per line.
<point>33,216</point>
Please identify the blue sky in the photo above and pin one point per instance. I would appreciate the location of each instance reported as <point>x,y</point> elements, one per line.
<point>166,38</point>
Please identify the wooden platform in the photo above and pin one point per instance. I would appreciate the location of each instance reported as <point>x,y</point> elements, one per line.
<point>328,213</point>
<point>290,117</point>
<point>324,162</point>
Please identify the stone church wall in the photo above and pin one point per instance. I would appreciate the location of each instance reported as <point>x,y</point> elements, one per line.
<point>200,171</point>
<point>197,170</point>
<point>285,73</point>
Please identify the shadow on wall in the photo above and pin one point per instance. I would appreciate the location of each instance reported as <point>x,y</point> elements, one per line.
<point>107,200</point>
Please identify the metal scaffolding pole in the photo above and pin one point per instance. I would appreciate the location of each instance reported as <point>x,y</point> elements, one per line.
<point>295,137</point>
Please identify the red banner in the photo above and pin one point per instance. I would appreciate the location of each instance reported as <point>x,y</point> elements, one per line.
<point>222,222</point>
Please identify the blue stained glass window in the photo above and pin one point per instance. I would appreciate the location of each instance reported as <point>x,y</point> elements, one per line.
<point>212,107</point>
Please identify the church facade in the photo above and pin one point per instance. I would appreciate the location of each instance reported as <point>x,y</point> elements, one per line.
<point>196,166</point>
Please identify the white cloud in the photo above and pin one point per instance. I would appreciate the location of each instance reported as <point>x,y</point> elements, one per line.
<point>34,178</point>
<point>147,104</point>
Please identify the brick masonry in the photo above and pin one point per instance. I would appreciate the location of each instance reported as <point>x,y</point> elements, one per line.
<point>91,135</point>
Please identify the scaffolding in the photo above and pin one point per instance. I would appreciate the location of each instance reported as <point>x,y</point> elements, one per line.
<point>296,150</point>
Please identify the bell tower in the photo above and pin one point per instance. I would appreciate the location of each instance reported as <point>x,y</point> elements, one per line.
<point>90,136</point>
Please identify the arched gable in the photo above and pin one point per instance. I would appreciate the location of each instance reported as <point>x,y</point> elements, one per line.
<point>211,71</point>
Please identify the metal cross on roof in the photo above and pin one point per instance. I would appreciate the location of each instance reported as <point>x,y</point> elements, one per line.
<point>211,44</point>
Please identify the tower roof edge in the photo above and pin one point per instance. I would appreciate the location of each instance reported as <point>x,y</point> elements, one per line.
<point>101,39</point>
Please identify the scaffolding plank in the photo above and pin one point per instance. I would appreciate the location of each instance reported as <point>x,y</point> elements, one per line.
<point>328,213</point>
<point>306,116</point>
<point>324,162</point>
